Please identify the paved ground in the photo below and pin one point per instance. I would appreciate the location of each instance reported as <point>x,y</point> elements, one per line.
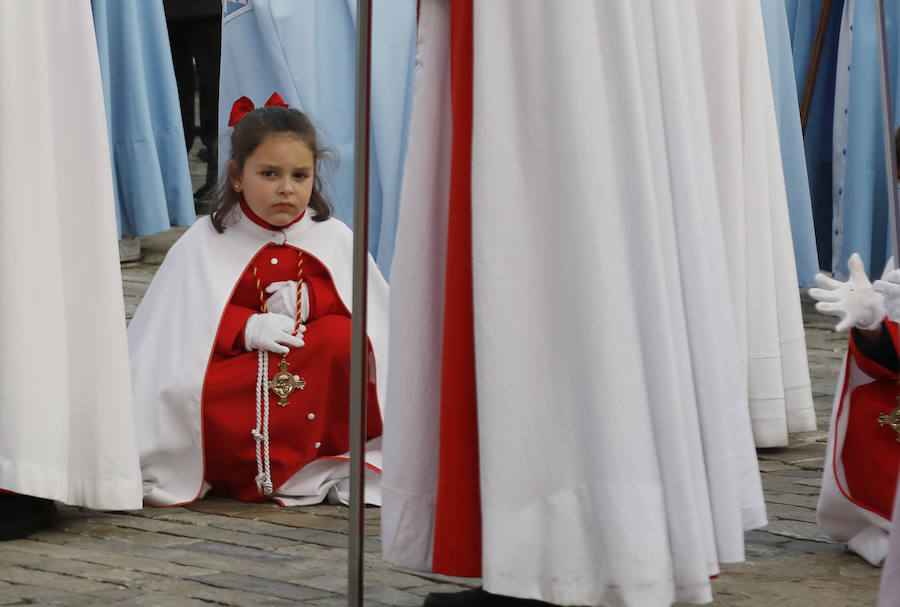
<point>223,552</point>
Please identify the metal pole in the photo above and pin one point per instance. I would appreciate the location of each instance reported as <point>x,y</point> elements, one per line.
<point>887,118</point>
<point>891,419</point>
<point>813,67</point>
<point>359,345</point>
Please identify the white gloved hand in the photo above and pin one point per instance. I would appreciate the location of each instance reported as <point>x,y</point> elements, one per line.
<point>855,301</point>
<point>284,299</point>
<point>272,332</point>
<point>889,288</point>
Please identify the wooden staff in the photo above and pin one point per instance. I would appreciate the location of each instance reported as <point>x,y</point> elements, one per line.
<point>813,68</point>
<point>359,346</point>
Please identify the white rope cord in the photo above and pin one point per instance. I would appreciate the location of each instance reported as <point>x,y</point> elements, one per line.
<point>261,432</point>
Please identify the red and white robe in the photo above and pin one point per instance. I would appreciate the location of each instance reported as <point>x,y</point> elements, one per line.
<point>315,424</point>
<point>862,459</point>
<point>194,384</point>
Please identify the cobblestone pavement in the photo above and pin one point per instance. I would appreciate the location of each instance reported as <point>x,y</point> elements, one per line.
<point>224,552</point>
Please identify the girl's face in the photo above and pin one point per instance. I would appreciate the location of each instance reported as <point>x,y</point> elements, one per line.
<point>277,180</point>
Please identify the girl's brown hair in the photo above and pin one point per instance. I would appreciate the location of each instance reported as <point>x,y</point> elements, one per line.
<point>246,137</point>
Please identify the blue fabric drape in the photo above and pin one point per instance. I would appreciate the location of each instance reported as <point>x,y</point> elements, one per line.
<point>793,156</point>
<point>305,50</point>
<point>803,17</point>
<point>150,165</point>
<point>861,219</point>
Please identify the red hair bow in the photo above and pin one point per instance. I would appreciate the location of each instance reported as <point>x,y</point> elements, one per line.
<point>244,106</point>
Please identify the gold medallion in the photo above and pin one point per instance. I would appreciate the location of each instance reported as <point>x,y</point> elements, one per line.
<point>891,419</point>
<point>283,383</point>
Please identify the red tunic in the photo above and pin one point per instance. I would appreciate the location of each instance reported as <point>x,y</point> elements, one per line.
<point>871,453</point>
<point>315,423</point>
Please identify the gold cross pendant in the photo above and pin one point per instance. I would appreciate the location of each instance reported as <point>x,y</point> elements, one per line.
<point>891,419</point>
<point>283,383</point>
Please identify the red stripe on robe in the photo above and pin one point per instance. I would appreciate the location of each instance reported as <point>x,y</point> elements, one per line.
<point>457,536</point>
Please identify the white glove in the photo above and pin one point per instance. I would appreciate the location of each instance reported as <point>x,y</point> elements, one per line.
<point>889,289</point>
<point>272,332</point>
<point>855,301</point>
<point>284,299</point>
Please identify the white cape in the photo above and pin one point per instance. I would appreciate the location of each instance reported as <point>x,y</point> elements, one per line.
<point>616,455</point>
<point>66,430</point>
<point>171,339</point>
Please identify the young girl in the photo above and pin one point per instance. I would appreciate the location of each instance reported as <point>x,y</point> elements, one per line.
<point>240,348</point>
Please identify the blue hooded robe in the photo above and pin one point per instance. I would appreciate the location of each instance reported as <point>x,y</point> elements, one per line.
<point>793,157</point>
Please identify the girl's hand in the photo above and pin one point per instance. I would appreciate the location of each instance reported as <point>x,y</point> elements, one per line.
<point>856,302</point>
<point>272,332</point>
<point>284,299</point>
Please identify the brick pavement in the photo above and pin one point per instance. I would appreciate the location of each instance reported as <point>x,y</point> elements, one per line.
<point>223,552</point>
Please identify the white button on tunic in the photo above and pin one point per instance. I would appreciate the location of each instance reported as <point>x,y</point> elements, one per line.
<point>318,444</point>
<point>274,260</point>
<point>311,416</point>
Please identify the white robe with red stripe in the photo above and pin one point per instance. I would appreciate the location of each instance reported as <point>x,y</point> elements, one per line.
<point>66,429</point>
<point>615,455</point>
